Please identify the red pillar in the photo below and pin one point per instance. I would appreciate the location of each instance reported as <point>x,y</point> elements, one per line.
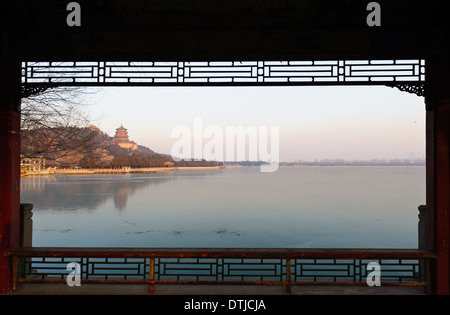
<point>438,170</point>
<point>9,165</point>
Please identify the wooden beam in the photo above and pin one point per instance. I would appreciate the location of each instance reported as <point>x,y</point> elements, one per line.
<point>238,30</point>
<point>9,166</point>
<point>438,169</point>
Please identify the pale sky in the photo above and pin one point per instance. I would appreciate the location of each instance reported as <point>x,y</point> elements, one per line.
<point>314,122</point>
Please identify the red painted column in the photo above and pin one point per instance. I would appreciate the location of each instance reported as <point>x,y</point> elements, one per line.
<point>438,170</point>
<point>9,165</point>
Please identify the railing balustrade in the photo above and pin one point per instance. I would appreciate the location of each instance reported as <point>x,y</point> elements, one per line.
<point>222,266</point>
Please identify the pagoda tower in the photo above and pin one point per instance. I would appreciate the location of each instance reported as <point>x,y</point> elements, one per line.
<point>121,139</point>
<point>121,135</point>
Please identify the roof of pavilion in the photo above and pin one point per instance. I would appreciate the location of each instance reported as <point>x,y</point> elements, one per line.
<point>221,30</point>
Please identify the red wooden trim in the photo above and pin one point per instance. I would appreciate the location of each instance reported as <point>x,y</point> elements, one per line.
<point>438,170</point>
<point>443,194</point>
<point>9,166</point>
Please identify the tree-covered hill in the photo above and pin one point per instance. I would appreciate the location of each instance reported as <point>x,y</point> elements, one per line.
<point>89,147</point>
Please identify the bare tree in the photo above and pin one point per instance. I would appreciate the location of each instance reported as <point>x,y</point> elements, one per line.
<point>56,125</point>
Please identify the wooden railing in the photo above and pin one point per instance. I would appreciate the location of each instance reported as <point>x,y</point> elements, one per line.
<point>283,267</point>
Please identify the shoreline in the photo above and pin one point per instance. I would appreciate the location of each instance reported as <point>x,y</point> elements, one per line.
<point>148,170</point>
<point>352,165</point>
<point>154,170</point>
<point>233,166</point>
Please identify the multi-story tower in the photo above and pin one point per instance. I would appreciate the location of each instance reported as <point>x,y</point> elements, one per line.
<point>122,140</point>
<point>121,135</point>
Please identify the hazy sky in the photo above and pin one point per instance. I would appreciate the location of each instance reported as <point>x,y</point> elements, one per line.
<point>314,122</point>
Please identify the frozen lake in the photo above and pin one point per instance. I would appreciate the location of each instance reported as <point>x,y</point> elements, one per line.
<point>295,207</point>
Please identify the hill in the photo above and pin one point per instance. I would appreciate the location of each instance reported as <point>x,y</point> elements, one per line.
<point>89,147</point>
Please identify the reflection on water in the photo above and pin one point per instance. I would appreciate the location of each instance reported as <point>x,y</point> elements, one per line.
<point>233,207</point>
<point>68,193</point>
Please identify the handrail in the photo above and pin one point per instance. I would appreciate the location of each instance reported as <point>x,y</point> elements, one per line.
<point>295,253</point>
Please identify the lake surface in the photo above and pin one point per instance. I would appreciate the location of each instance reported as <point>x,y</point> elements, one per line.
<point>295,207</point>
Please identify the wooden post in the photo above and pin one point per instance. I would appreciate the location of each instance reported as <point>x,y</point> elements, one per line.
<point>438,169</point>
<point>422,228</point>
<point>428,286</point>
<point>15,273</point>
<point>26,225</point>
<point>288,276</point>
<point>151,287</point>
<point>422,241</point>
<point>9,165</point>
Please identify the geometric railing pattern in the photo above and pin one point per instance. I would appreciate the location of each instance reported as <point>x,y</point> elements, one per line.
<point>221,269</point>
<point>220,266</point>
<point>314,72</point>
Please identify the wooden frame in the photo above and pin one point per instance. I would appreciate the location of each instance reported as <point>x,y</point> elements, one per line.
<point>249,30</point>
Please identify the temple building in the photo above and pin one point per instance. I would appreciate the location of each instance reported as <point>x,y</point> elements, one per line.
<point>33,164</point>
<point>122,140</point>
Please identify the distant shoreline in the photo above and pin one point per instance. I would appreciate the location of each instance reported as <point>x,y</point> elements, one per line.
<point>232,166</point>
<point>147,170</point>
<point>352,165</point>
<point>199,167</point>
<point>154,170</point>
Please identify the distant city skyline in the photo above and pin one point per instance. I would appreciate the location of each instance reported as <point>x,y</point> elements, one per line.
<point>316,123</point>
